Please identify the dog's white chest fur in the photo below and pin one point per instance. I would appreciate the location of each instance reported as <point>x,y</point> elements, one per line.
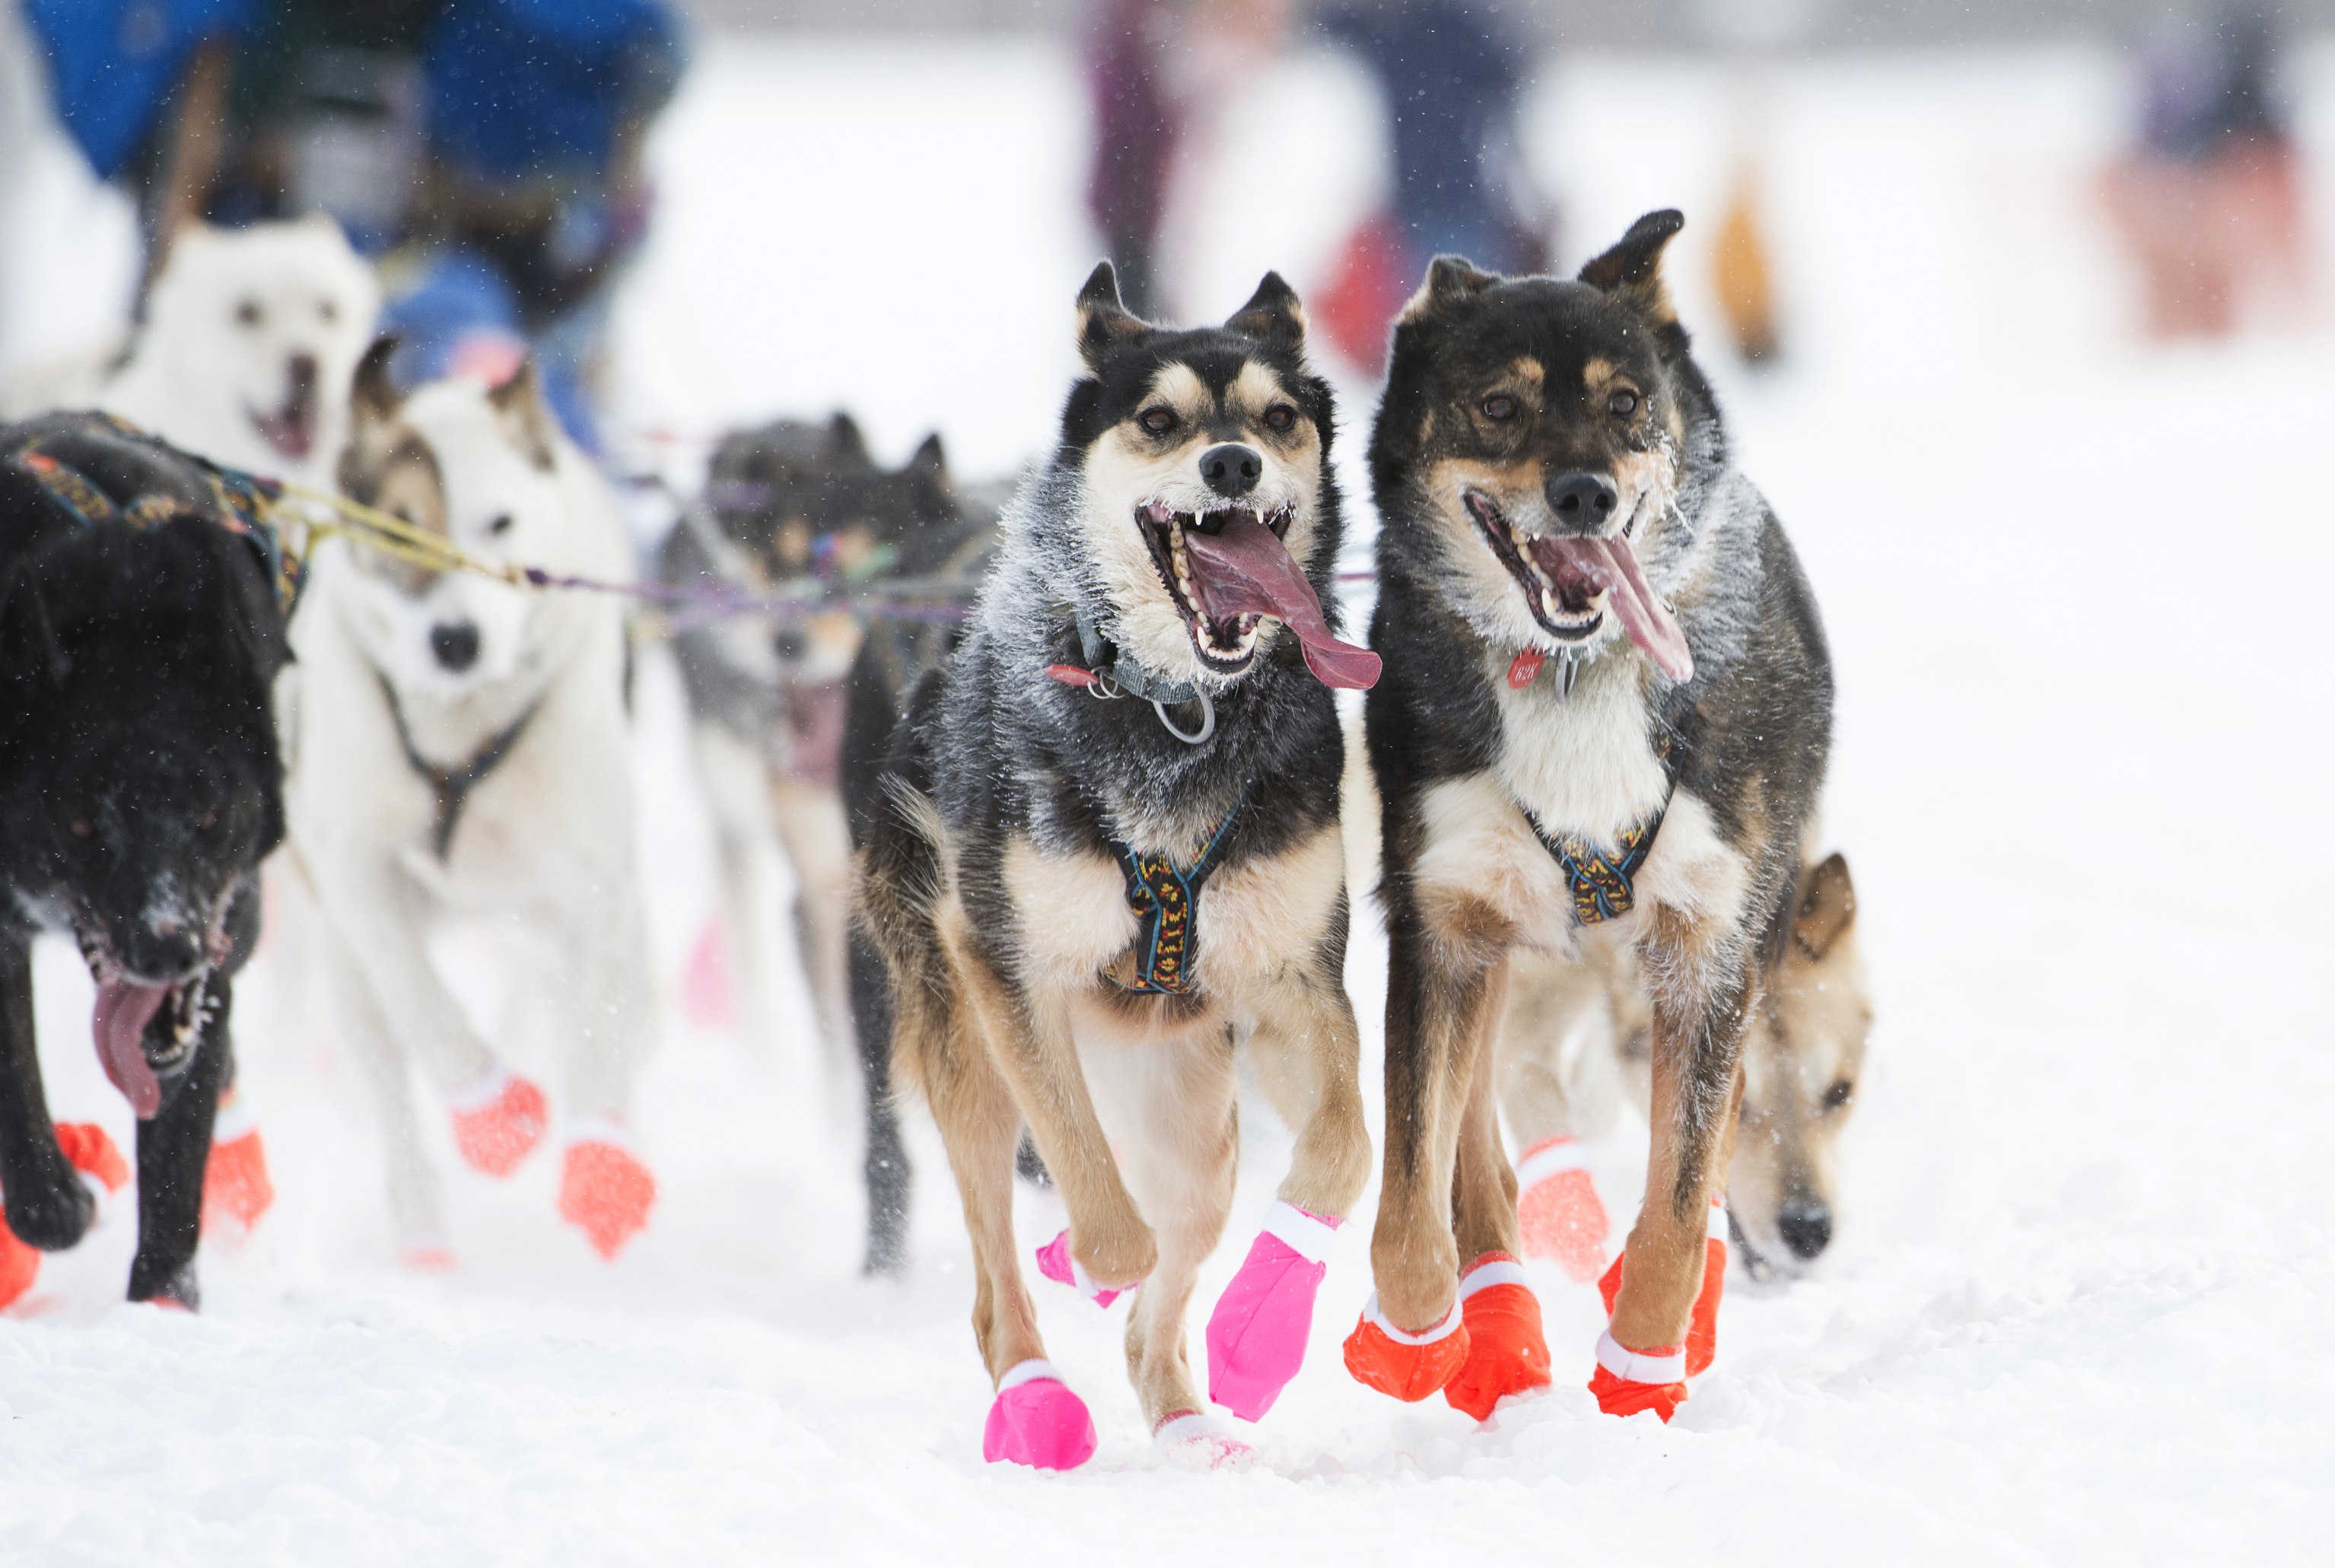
<point>1586,765</point>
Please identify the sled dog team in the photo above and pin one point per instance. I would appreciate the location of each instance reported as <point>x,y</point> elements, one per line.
<point>1060,865</point>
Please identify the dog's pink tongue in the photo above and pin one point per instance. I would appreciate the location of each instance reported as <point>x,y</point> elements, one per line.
<point>1613,565</point>
<point>123,1011</point>
<point>1241,569</point>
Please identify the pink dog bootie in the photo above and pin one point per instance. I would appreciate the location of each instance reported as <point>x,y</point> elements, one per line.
<point>1256,1335</point>
<point>1194,1440</point>
<point>1055,1262</point>
<point>1037,1422</point>
<point>603,1191</point>
<point>498,1120</point>
<point>1558,1214</point>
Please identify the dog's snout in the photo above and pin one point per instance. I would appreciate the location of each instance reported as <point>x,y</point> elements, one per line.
<point>791,645</point>
<point>301,369</point>
<point>1232,468</point>
<point>1584,501</point>
<point>1805,1227</point>
<point>455,644</point>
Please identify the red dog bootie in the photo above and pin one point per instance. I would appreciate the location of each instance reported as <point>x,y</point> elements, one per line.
<point>1506,1353</point>
<point>20,1265</point>
<point>103,1169</point>
<point>603,1191</point>
<point>1410,1367</point>
<point>235,1189</point>
<point>1557,1209</point>
<point>1703,1325</point>
<point>498,1120</point>
<point>1628,1381</point>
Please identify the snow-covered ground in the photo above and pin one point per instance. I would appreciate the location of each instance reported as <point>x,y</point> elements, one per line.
<point>2076,591</point>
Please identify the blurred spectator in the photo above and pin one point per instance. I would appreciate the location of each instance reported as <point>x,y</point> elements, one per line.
<point>2210,199</point>
<point>489,148</point>
<point>1451,78</point>
<point>1137,126</point>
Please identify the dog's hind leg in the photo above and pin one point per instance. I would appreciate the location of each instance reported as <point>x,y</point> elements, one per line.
<point>174,1150</point>
<point>1169,1106</point>
<point>47,1205</point>
<point>812,829</point>
<point>887,1163</point>
<point>416,1205</point>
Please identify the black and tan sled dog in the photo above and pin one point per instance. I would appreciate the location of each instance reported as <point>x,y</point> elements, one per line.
<point>1108,853</point>
<point>1607,702</point>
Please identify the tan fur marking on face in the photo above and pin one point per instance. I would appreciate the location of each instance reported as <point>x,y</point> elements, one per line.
<point>400,476</point>
<point>1179,386</point>
<point>1261,917</point>
<point>1597,371</point>
<point>1526,371</point>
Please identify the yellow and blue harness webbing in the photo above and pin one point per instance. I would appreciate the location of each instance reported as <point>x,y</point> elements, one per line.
<point>1165,899</point>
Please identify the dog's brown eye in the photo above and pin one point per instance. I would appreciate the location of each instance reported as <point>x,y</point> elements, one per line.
<point>500,523</point>
<point>1279,417</point>
<point>1159,422</point>
<point>1840,1094</point>
<point>247,312</point>
<point>1622,402</point>
<point>1499,406</point>
<point>83,828</point>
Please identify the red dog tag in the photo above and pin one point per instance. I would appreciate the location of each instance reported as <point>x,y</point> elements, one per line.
<point>1525,670</point>
<point>1072,676</point>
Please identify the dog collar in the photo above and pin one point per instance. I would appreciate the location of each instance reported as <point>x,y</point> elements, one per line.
<point>1110,672</point>
<point>453,786</point>
<point>1166,898</point>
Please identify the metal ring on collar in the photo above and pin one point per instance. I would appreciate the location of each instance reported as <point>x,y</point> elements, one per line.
<point>1207,719</point>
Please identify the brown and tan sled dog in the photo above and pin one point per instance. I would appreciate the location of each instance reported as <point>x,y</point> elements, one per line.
<point>1607,702</point>
<point>1107,852</point>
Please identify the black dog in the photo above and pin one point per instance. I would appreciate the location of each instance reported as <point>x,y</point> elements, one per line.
<point>140,787</point>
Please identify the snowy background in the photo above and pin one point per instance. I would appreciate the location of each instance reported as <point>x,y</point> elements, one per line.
<point>2075,588</point>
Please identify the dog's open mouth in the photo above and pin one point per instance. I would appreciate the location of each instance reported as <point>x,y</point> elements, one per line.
<point>290,431</point>
<point>1226,570</point>
<point>1570,583</point>
<point>125,1007</point>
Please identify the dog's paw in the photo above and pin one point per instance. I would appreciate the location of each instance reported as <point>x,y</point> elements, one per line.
<point>1558,1213</point>
<point>52,1217</point>
<point>1506,1353</point>
<point>237,1190</point>
<point>1256,1335</point>
<point>1194,1441</point>
<point>1056,1264</point>
<point>102,1170</point>
<point>20,1265</point>
<point>180,1293</point>
<point>1630,1382</point>
<point>1410,1367</point>
<point>1703,1325</point>
<point>1037,1422</point>
<point>605,1192</point>
<point>498,1120</point>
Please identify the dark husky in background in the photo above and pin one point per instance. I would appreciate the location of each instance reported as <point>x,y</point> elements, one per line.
<point>1608,699</point>
<point>1106,849</point>
<point>141,786</point>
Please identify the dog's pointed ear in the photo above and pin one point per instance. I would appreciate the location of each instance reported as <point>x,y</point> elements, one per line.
<point>1827,906</point>
<point>844,440</point>
<point>374,397</point>
<point>930,458</point>
<point>1449,279</point>
<point>29,649</point>
<point>1274,313</point>
<point>518,403</point>
<point>1632,269</point>
<point>1104,321</point>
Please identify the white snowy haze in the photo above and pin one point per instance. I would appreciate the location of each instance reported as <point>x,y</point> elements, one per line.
<point>2078,590</point>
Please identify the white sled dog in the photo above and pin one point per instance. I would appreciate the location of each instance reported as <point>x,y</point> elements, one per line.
<point>457,748</point>
<point>251,336</point>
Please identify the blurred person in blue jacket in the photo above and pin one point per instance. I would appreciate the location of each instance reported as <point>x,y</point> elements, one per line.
<point>489,150</point>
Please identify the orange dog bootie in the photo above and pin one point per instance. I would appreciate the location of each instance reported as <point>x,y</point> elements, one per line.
<point>1506,1353</point>
<point>605,1191</point>
<point>236,1187</point>
<point>1410,1367</point>
<point>103,1169</point>
<point>1702,1326</point>
<point>498,1120</point>
<point>1558,1213</point>
<point>1628,1381</point>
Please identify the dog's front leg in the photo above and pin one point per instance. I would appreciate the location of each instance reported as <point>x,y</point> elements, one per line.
<point>1030,1035</point>
<point>47,1205</point>
<point>1700,1011</point>
<point>173,1151</point>
<point>1446,986</point>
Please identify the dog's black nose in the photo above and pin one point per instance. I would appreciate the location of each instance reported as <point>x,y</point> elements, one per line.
<point>302,368</point>
<point>1805,1227</point>
<point>456,644</point>
<point>1232,469</point>
<point>1583,501</point>
<point>790,646</point>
